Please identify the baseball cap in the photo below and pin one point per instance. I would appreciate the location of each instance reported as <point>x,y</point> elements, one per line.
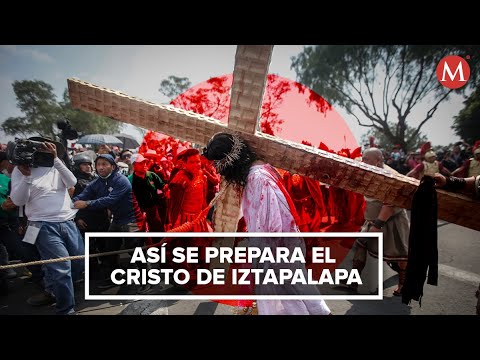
<point>137,158</point>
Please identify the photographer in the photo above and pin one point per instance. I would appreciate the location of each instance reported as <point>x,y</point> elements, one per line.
<point>43,191</point>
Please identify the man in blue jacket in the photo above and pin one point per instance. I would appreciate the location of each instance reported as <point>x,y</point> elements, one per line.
<point>112,191</point>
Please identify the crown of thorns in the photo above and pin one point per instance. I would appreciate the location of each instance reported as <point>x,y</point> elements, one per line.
<point>232,156</point>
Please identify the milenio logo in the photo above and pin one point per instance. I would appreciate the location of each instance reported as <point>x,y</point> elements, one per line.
<point>453,72</point>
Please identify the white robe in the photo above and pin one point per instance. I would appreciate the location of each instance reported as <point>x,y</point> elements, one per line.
<point>266,210</point>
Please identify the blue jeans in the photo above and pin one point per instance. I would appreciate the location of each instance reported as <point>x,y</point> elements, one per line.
<point>55,240</point>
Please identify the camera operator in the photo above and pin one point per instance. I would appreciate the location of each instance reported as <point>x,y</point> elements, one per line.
<point>51,226</point>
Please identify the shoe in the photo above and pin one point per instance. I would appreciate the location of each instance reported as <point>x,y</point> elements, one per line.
<point>44,298</point>
<point>25,272</point>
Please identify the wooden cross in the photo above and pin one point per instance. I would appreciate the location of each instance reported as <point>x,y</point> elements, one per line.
<point>250,76</point>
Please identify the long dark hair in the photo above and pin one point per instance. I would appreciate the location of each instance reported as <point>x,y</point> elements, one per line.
<point>235,171</point>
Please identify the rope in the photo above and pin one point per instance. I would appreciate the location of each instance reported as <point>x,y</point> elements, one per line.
<point>187,227</point>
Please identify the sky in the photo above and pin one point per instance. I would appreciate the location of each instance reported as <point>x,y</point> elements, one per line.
<point>138,70</point>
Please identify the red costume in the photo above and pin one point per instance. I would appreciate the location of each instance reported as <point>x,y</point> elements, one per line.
<point>188,196</point>
<point>308,199</point>
<point>187,200</point>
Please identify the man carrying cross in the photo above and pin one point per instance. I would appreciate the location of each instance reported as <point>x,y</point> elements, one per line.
<point>267,207</point>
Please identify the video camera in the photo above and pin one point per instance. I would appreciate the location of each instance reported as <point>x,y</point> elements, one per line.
<point>68,132</point>
<point>29,152</point>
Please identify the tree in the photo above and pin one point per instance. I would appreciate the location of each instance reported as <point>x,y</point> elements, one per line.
<point>380,85</point>
<point>37,101</point>
<point>467,122</point>
<point>384,143</point>
<point>174,86</point>
<point>212,99</point>
<point>270,119</point>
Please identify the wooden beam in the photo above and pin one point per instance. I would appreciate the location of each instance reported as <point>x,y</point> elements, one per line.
<point>317,164</point>
<point>249,82</point>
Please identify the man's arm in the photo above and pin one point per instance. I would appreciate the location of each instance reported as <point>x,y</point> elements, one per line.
<point>416,170</point>
<point>461,170</point>
<point>66,175</point>
<point>157,181</point>
<point>86,194</point>
<point>444,170</point>
<point>21,181</point>
<point>468,185</point>
<point>121,190</point>
<point>385,213</point>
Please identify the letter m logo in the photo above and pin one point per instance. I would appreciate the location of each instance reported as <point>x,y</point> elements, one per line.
<point>453,72</point>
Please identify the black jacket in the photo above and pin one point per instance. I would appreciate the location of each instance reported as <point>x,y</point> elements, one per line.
<point>97,220</point>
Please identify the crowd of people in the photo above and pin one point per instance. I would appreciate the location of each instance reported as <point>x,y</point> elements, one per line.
<point>460,160</point>
<point>51,208</point>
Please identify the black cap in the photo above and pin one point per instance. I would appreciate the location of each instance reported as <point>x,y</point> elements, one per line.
<point>107,157</point>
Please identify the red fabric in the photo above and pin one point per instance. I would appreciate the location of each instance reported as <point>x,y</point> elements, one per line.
<point>271,170</point>
<point>425,147</point>
<point>308,199</point>
<point>476,145</point>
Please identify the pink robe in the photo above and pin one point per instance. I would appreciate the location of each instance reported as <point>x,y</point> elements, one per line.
<point>266,209</point>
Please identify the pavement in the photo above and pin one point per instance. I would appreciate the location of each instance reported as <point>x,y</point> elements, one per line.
<point>459,278</point>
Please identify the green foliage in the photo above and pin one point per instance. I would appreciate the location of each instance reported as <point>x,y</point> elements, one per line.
<point>379,83</point>
<point>384,143</point>
<point>213,100</point>
<point>467,122</point>
<point>37,101</point>
<point>88,123</point>
<point>174,86</point>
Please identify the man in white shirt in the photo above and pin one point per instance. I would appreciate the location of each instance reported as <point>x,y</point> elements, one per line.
<point>43,191</point>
